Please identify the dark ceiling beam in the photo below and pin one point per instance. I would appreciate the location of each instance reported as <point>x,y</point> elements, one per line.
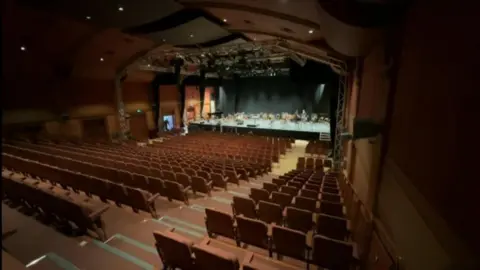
<point>234,6</point>
<point>365,14</point>
<point>215,42</point>
<point>314,43</point>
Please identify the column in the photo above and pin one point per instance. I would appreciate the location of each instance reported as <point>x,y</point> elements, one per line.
<point>120,108</point>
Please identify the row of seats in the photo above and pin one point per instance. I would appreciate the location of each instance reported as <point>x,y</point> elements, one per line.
<point>53,205</point>
<point>317,147</point>
<point>310,163</point>
<point>122,195</point>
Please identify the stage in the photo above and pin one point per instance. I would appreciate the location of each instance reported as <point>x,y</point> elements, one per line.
<point>276,128</point>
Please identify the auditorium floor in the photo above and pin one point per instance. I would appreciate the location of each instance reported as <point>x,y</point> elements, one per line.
<point>131,243</point>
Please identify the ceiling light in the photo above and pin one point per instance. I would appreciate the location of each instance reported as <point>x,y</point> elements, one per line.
<point>224,20</point>
<point>120,8</point>
<point>191,35</point>
<point>148,65</point>
<point>23,48</point>
<point>88,17</point>
<point>101,59</point>
<point>310,31</point>
<point>164,40</point>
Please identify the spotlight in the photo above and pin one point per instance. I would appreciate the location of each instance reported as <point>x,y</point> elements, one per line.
<point>120,8</point>
<point>310,31</point>
<point>191,35</point>
<point>88,17</point>
<point>224,20</point>
<point>23,48</point>
<point>101,59</point>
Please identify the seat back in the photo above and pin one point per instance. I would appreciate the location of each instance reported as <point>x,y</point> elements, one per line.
<point>289,190</point>
<point>298,219</point>
<point>332,254</point>
<point>331,208</point>
<point>244,206</point>
<point>183,179</point>
<point>252,231</point>
<point>307,193</point>
<point>270,212</point>
<point>258,194</point>
<point>199,184</point>
<point>175,191</point>
<point>204,174</point>
<point>282,199</point>
<point>278,182</point>
<point>220,223</point>
<point>270,187</point>
<point>189,171</point>
<point>174,249</point>
<point>311,186</point>
<point>295,184</point>
<point>288,242</point>
<point>330,197</point>
<point>305,203</point>
<point>218,180</point>
<point>332,226</point>
<point>208,257</point>
<point>232,177</point>
<point>169,175</point>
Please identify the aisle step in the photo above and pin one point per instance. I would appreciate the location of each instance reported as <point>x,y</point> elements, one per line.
<point>124,255</point>
<point>51,261</point>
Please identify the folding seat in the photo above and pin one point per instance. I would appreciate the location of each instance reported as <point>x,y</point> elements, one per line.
<point>220,223</point>
<point>233,177</point>
<point>191,172</point>
<point>204,174</point>
<point>313,187</point>
<point>270,187</point>
<point>208,257</point>
<point>252,232</point>
<point>93,185</point>
<point>289,190</point>
<point>142,200</point>
<point>218,180</point>
<point>289,242</point>
<point>295,184</point>
<point>183,179</point>
<point>174,250</point>
<point>278,182</point>
<point>177,169</point>
<point>166,167</point>
<point>244,206</point>
<point>258,194</point>
<point>195,167</point>
<point>156,185</point>
<point>332,208</point>
<point>307,193</point>
<point>140,181</point>
<point>332,254</point>
<point>282,199</point>
<point>330,190</point>
<point>270,212</point>
<point>286,177</point>
<point>176,191</point>
<point>199,184</point>
<point>331,197</point>
<point>332,227</point>
<point>300,166</point>
<point>298,219</point>
<point>169,175</point>
<point>304,203</point>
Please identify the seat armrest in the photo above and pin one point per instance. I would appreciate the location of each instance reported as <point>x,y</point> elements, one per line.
<point>153,198</point>
<point>99,212</point>
<point>248,258</point>
<point>205,241</point>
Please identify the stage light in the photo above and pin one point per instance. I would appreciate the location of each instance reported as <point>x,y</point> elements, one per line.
<point>148,65</point>
<point>164,40</point>
<point>101,59</point>
<point>310,31</point>
<point>23,48</point>
<point>224,20</point>
<point>120,8</point>
<point>191,35</point>
<point>88,17</point>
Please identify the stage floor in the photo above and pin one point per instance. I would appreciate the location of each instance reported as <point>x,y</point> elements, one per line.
<point>275,125</point>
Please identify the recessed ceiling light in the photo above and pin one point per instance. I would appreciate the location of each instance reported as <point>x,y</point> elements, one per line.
<point>120,8</point>
<point>310,31</point>
<point>23,48</point>
<point>88,17</point>
<point>148,65</point>
<point>101,59</point>
<point>191,35</point>
<point>224,20</point>
<point>164,40</point>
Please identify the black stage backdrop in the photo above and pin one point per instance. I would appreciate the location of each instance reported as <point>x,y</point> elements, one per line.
<point>273,95</point>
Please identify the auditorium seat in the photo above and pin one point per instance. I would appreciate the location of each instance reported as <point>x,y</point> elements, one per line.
<point>331,197</point>
<point>307,193</point>
<point>183,179</point>
<point>332,254</point>
<point>305,203</point>
<point>191,172</point>
<point>233,177</point>
<point>282,199</point>
<point>220,223</point>
<point>278,182</point>
<point>332,208</point>
<point>199,184</point>
<point>289,242</point>
<point>252,232</point>
<point>156,185</point>
<point>332,226</point>
<point>293,191</point>
<point>270,187</point>
<point>176,191</point>
<point>169,175</point>
<point>208,257</point>
<point>244,206</point>
<point>258,194</point>
<point>219,180</point>
<point>298,219</point>
<point>175,250</point>
<point>270,212</point>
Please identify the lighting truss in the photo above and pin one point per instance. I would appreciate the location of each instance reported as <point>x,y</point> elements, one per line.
<point>338,147</point>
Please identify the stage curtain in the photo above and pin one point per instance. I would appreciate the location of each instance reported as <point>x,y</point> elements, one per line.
<point>201,87</point>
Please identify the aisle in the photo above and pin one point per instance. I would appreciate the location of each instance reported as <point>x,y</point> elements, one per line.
<point>289,161</point>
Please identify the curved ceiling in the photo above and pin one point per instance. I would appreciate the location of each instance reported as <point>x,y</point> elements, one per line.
<point>96,39</point>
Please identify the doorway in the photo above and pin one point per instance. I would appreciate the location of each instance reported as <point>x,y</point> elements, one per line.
<point>168,121</point>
